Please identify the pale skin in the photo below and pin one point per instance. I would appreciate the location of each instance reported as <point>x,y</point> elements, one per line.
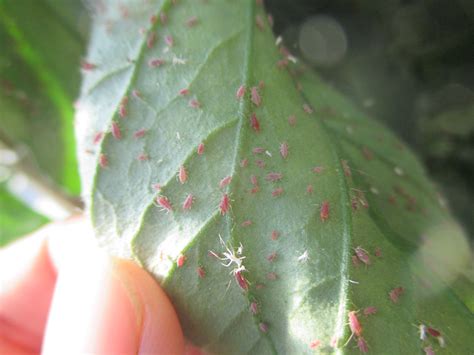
<point>60,294</point>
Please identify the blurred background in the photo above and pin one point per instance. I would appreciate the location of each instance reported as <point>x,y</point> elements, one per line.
<point>409,64</point>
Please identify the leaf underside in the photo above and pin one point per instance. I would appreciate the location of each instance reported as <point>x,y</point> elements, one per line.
<point>346,182</point>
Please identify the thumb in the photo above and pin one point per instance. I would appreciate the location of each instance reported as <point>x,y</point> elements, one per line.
<point>110,306</point>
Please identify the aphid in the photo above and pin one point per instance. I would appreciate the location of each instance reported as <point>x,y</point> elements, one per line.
<point>194,103</point>
<point>256,99</point>
<point>181,260</point>
<point>182,174</point>
<point>284,150</point>
<point>396,293</point>
<point>184,91</point>
<point>140,133</point>
<point>200,149</point>
<point>272,276</point>
<point>103,161</point>
<point>116,130</point>
<point>354,324</point>
<point>362,255</point>
<point>318,169</point>
<point>259,286</point>
<point>362,345</point>
<point>241,280</point>
<point>156,187</point>
<point>261,85</point>
<point>153,19</point>
<point>254,180</point>
<point>143,157</point>
<point>303,257</point>
<point>164,203</point>
<point>259,22</point>
<point>433,332</point>
<point>192,21</point>
<point>378,252</point>
<point>367,153</point>
<point>278,192</point>
<point>282,63</point>
<point>163,18</point>
<point>275,235</point>
<point>136,93</point>
<point>324,212</point>
<point>201,272</point>
<point>254,307</point>
<point>188,202</point>
<point>87,65</point>
<point>314,344</point>
<point>422,331</point>
<point>429,350</point>
<point>263,327</point>
<point>123,107</point>
<point>255,123</point>
<point>246,223</point>
<point>292,120</point>
<point>260,163</point>
<point>169,40</point>
<point>368,311</point>
<point>273,176</point>
<point>244,163</point>
<point>258,150</point>
<point>346,168</point>
<point>307,109</point>
<point>309,189</point>
<point>151,40</point>
<point>98,137</point>
<point>240,92</point>
<point>272,257</point>
<point>225,181</point>
<point>224,205</point>
<point>156,62</point>
<point>355,261</point>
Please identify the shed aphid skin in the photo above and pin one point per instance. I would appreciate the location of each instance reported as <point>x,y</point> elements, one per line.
<point>256,99</point>
<point>182,174</point>
<point>254,123</point>
<point>324,212</point>
<point>200,149</point>
<point>180,260</point>
<point>398,171</point>
<point>396,293</point>
<point>188,202</point>
<point>274,176</point>
<point>303,257</point>
<point>240,92</point>
<point>164,203</point>
<point>224,205</point>
<point>103,161</point>
<point>284,150</point>
<point>362,255</point>
<point>422,331</point>
<point>116,132</point>
<point>225,181</point>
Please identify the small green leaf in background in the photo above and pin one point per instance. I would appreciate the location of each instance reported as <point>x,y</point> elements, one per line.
<point>294,190</point>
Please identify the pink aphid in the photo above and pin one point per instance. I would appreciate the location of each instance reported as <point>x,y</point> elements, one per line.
<point>354,323</point>
<point>272,257</point>
<point>307,109</point>
<point>188,202</point>
<point>194,103</point>
<point>169,40</point>
<point>282,63</point>
<point>278,192</point>
<point>275,235</point>
<point>98,137</point>
<point>143,157</point>
<point>200,149</point>
<point>324,212</point>
<point>309,189</point>
<point>396,293</point>
<point>123,107</point>
<point>260,163</point>
<point>164,203</point>
<point>244,163</point>
<point>103,161</point>
<point>150,42</point>
<point>181,260</point>
<point>253,308</point>
<point>362,345</point>
<point>292,120</point>
<point>362,255</point>
<point>274,176</point>
<point>184,92</point>
<point>254,123</point>
<point>318,169</point>
<point>116,130</point>
<point>140,133</point>
<point>315,344</point>
<point>368,311</point>
<point>224,205</point>
<point>225,181</point>
<point>241,280</point>
<point>246,223</point>
<point>263,327</point>
<point>156,62</point>
<point>258,150</point>
<point>284,150</point>
<point>156,187</point>
<point>201,272</point>
<point>182,174</point>
<point>136,93</point>
<point>254,180</point>
<point>256,99</point>
<point>87,66</point>
<point>192,21</point>
<point>240,92</point>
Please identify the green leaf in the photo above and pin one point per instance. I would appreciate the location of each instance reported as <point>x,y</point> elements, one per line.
<point>16,218</point>
<point>39,75</point>
<point>346,182</point>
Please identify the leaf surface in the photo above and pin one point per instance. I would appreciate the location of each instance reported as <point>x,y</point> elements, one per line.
<point>312,178</point>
